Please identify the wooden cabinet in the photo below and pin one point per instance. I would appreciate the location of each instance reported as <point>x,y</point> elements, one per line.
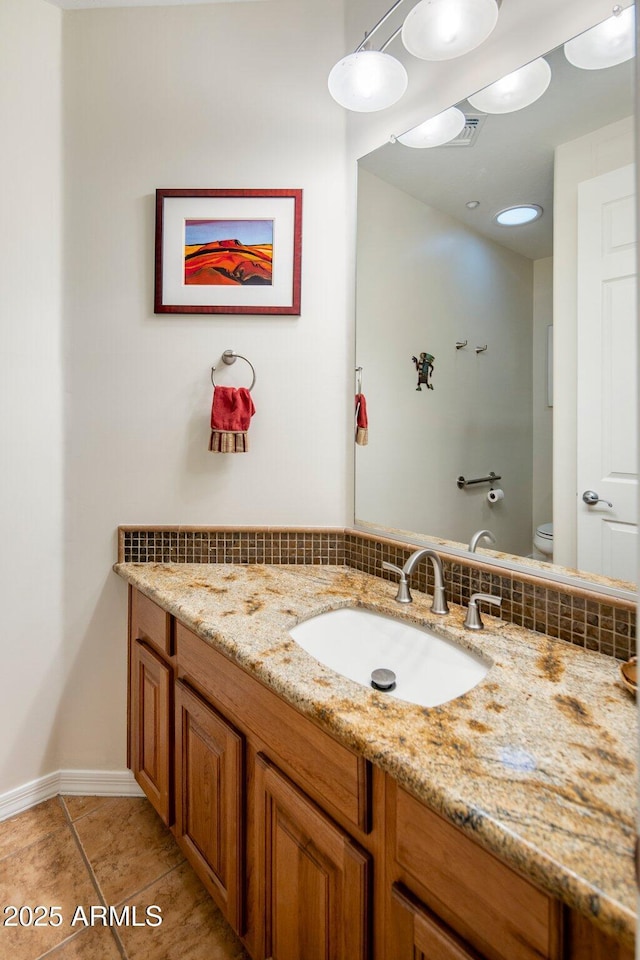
<point>209,799</point>
<point>584,942</point>
<point>313,881</point>
<point>416,933</point>
<point>492,908</point>
<point>151,724</point>
<point>332,774</point>
<point>310,852</point>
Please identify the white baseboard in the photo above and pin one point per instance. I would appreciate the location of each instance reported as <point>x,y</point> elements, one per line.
<point>90,783</point>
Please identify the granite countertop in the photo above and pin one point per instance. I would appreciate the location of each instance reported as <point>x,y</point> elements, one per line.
<point>536,763</point>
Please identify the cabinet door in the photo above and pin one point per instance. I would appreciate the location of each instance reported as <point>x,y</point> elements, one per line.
<point>209,800</point>
<point>151,720</point>
<point>313,880</point>
<point>418,934</point>
<point>586,942</point>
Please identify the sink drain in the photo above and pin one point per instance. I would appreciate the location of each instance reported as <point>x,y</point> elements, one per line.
<point>383,679</point>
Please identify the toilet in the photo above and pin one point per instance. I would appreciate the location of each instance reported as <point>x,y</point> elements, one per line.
<point>543,542</point>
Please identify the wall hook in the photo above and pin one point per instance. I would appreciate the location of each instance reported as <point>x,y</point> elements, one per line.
<point>481,349</point>
<point>461,343</point>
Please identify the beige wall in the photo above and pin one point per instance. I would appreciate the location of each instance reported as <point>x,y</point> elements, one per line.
<point>31,438</point>
<point>226,95</point>
<point>582,159</point>
<point>425,281</point>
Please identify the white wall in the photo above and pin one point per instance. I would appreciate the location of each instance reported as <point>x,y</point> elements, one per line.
<point>542,413</point>
<point>582,159</point>
<point>30,387</point>
<point>425,281</point>
<point>227,95</point>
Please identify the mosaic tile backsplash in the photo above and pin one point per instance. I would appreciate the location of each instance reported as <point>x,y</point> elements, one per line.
<point>571,614</point>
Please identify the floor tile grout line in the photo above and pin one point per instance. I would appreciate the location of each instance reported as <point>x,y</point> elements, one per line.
<point>88,812</point>
<point>44,836</point>
<point>50,954</point>
<point>76,933</point>
<point>121,903</point>
<point>94,880</point>
<point>27,846</point>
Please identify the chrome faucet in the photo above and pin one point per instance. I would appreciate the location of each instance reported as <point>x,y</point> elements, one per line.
<point>439,604</point>
<point>478,536</point>
<point>473,619</point>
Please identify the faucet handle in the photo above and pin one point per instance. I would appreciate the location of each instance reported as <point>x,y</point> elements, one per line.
<point>473,619</point>
<point>403,595</point>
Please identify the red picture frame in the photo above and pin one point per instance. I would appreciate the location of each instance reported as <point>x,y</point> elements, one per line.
<point>228,251</point>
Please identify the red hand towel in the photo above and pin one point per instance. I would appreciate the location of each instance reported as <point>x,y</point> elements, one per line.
<point>362,421</point>
<point>231,412</point>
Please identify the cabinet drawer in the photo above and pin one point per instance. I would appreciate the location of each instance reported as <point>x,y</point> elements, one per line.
<point>418,934</point>
<point>494,909</point>
<point>321,765</point>
<point>150,623</point>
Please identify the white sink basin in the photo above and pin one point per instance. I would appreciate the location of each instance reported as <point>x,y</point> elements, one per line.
<point>429,669</point>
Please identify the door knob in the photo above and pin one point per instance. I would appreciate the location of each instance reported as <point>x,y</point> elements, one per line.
<point>590,497</point>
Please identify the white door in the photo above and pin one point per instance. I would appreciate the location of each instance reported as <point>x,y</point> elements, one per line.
<point>607,375</point>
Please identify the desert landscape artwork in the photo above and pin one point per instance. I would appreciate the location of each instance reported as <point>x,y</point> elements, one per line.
<point>228,252</point>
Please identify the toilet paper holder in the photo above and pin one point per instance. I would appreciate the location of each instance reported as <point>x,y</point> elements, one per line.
<point>462,483</point>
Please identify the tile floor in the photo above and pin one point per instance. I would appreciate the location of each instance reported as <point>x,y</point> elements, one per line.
<point>74,852</point>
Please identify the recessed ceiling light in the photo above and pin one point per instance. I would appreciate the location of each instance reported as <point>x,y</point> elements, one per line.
<point>472,204</point>
<point>519,214</point>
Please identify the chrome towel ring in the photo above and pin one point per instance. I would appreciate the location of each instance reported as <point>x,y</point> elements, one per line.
<point>230,357</point>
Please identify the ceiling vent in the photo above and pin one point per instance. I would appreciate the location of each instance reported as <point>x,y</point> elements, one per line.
<point>469,133</point>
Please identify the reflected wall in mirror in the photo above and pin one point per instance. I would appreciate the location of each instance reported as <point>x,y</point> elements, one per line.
<point>434,269</point>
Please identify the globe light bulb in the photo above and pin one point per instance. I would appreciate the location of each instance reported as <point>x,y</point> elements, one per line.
<point>437,130</point>
<point>514,91</point>
<point>443,29</point>
<point>605,45</point>
<point>368,80</point>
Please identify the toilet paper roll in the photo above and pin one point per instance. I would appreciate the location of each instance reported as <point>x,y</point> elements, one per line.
<point>494,495</point>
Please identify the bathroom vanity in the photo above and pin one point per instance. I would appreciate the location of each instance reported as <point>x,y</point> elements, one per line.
<point>328,820</point>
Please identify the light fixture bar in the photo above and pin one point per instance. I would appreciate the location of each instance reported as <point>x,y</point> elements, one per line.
<point>380,22</point>
<point>395,34</point>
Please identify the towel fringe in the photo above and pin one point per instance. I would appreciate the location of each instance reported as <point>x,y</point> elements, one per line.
<point>228,441</point>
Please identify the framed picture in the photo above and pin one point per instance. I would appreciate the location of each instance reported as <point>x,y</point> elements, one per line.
<point>228,251</point>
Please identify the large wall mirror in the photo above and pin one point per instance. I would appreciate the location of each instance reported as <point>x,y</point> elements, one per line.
<point>529,333</point>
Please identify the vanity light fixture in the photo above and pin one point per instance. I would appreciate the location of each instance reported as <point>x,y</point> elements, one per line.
<point>368,80</point>
<point>605,45</point>
<point>434,132</point>
<point>514,91</point>
<point>518,215</point>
